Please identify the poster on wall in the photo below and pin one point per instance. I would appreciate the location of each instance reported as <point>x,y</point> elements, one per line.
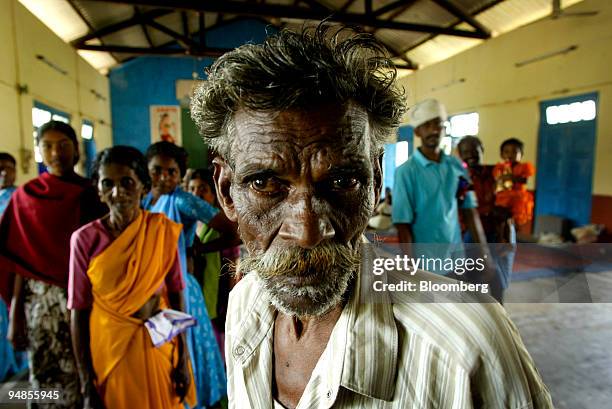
<point>166,123</point>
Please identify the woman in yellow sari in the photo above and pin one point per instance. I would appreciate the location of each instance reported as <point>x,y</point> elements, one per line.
<point>123,270</point>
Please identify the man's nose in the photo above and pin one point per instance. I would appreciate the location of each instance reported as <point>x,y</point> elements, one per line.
<point>304,225</point>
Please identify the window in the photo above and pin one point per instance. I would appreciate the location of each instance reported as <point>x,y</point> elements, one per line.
<point>89,146</point>
<point>462,125</point>
<point>457,127</point>
<point>87,130</point>
<point>401,153</point>
<point>575,112</point>
<point>41,114</point>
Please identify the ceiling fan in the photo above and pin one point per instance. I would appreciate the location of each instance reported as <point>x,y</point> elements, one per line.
<point>558,12</point>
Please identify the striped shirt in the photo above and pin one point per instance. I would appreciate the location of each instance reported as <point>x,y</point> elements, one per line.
<point>403,355</point>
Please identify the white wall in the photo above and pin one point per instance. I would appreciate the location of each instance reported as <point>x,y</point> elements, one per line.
<point>507,98</point>
<point>22,38</point>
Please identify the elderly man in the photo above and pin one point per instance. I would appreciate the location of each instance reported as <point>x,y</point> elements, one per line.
<point>299,124</point>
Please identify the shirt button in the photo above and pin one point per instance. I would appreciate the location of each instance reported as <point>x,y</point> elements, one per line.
<point>329,394</point>
<point>239,350</point>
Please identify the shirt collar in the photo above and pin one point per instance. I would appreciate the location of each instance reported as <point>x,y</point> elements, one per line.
<point>423,161</point>
<point>370,332</point>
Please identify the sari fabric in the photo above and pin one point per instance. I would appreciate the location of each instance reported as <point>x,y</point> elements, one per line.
<point>10,361</point>
<point>211,270</point>
<point>208,368</point>
<point>36,227</point>
<point>130,371</point>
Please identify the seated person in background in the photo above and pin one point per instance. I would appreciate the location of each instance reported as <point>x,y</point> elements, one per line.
<point>511,180</point>
<point>124,268</point>
<point>299,123</point>
<point>496,221</point>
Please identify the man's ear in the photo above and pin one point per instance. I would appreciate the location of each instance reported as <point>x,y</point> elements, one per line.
<point>223,176</point>
<point>378,178</point>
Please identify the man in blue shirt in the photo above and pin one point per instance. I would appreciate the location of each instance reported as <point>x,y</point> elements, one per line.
<point>431,188</point>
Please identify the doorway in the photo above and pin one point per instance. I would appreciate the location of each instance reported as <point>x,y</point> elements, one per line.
<point>566,157</point>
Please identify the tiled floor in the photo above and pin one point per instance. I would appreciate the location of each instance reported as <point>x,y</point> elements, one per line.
<point>571,344</point>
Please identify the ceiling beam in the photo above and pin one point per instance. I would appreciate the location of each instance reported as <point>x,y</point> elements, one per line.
<point>202,29</point>
<point>399,10</point>
<point>429,37</point>
<point>144,28</point>
<point>395,52</point>
<point>113,28</point>
<point>185,24</point>
<point>78,9</point>
<point>184,41</point>
<point>172,43</point>
<point>208,52</point>
<point>316,5</point>
<point>392,6</point>
<point>281,11</point>
<point>463,16</point>
<point>346,6</point>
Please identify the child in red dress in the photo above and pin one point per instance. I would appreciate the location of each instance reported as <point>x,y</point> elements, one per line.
<point>511,181</point>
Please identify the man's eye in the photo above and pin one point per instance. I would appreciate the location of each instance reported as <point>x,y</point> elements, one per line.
<point>344,183</point>
<point>266,185</point>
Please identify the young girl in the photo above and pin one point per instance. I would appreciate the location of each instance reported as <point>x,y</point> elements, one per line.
<point>511,181</point>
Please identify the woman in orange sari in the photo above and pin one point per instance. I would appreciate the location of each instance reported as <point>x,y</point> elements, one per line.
<point>123,270</point>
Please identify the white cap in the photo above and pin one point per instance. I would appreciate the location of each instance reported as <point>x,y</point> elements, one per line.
<point>426,110</point>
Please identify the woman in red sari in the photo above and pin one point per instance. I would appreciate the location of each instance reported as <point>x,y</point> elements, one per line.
<point>34,251</point>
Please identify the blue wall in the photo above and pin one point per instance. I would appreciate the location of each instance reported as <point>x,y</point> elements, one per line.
<point>148,81</point>
<point>404,134</point>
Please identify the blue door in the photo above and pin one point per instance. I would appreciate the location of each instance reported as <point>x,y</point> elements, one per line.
<point>566,155</point>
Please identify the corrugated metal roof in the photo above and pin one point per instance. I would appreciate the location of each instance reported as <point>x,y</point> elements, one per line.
<point>501,18</point>
<point>67,20</point>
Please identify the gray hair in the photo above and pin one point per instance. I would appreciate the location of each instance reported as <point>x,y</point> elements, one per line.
<point>291,70</point>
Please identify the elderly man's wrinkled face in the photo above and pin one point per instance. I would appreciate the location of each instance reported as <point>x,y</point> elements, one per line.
<point>302,186</point>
